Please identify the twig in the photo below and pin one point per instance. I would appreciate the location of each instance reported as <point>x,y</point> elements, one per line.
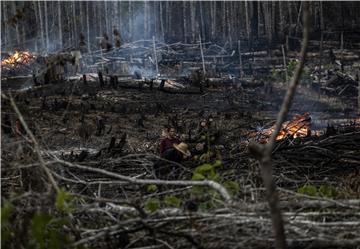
<point>264,153</point>
<point>36,145</point>
<point>218,187</point>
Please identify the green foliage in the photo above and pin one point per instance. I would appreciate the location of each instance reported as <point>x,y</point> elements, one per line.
<point>217,163</point>
<point>308,190</point>
<point>280,75</point>
<point>323,191</point>
<point>197,177</point>
<point>306,77</point>
<point>327,191</point>
<point>38,228</point>
<point>152,188</point>
<point>6,212</point>
<point>204,168</point>
<point>205,171</point>
<point>152,205</point>
<point>208,171</point>
<point>205,205</point>
<point>172,201</point>
<point>46,231</point>
<point>63,201</point>
<point>291,67</point>
<point>232,187</point>
<point>205,157</point>
<point>277,75</point>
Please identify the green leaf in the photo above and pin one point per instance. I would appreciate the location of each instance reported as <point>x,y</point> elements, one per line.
<point>202,169</point>
<point>217,163</point>
<point>197,177</point>
<point>205,205</point>
<point>6,231</point>
<point>198,191</point>
<point>62,198</point>
<point>38,228</point>
<point>232,187</point>
<point>152,205</point>
<point>205,157</point>
<point>6,211</point>
<point>308,190</point>
<point>212,175</point>
<point>327,191</point>
<point>172,201</point>
<point>151,188</point>
<point>55,239</point>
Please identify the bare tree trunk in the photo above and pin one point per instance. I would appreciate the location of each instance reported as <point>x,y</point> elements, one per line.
<point>68,21</point>
<point>267,22</point>
<point>116,13</point>
<point>88,26</point>
<point>322,26</point>
<point>106,19</point>
<point>119,22</point>
<point>162,21</point>
<point>247,20</point>
<point>46,25</point>
<point>82,16</point>
<point>4,41</point>
<point>259,6</point>
<point>342,48</point>
<point>41,26</point>
<point>100,11</point>
<point>130,21</point>
<point>359,92</point>
<point>155,56</point>
<point>223,21</point>
<point>240,59</point>
<point>321,55</point>
<point>290,17</point>
<point>18,36</point>
<point>193,22</point>
<point>282,20</point>
<point>202,24</point>
<point>60,25</point>
<point>274,21</point>
<point>213,19</point>
<point>228,22</point>
<point>146,21</point>
<point>34,5</point>
<point>202,57</point>
<point>75,22</point>
<point>284,61</point>
<point>168,18</point>
<point>298,19</point>
<point>185,21</point>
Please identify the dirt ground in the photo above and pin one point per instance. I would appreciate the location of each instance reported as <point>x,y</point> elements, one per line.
<point>312,173</point>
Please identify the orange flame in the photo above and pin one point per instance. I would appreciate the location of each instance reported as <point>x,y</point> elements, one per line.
<point>298,127</point>
<point>17,58</point>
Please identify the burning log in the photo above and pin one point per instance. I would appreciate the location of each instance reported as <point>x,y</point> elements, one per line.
<point>18,58</point>
<point>298,127</point>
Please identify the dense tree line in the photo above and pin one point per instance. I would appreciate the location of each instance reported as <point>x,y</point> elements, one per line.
<point>53,25</point>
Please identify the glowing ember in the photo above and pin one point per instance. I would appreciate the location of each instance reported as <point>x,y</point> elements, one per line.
<point>298,127</point>
<point>17,58</point>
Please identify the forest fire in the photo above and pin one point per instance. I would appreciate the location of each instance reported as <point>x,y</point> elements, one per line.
<point>298,127</point>
<point>17,58</point>
<point>151,124</point>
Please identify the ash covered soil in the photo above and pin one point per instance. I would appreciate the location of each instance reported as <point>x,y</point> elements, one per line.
<point>82,122</point>
<point>319,172</point>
